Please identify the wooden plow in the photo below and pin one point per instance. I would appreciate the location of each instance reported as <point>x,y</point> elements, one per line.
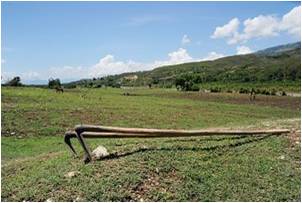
<point>92,131</point>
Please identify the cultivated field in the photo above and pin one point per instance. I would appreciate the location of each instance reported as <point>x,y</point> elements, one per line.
<point>35,160</point>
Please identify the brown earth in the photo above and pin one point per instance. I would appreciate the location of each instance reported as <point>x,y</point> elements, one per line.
<point>288,102</point>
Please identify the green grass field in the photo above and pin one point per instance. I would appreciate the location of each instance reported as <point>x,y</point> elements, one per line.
<point>35,159</point>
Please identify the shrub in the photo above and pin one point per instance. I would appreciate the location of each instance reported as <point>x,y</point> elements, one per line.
<point>168,86</point>
<point>116,85</point>
<point>215,89</point>
<point>258,91</point>
<point>71,86</point>
<point>243,90</point>
<point>195,87</point>
<point>98,86</point>
<point>265,92</point>
<point>273,92</point>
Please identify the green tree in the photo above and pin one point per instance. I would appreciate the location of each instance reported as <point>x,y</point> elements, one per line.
<point>54,83</point>
<point>16,81</point>
<point>187,82</point>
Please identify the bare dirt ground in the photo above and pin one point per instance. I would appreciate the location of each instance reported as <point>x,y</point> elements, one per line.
<point>235,98</point>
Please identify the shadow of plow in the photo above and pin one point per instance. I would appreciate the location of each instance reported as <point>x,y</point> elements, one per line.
<point>117,155</point>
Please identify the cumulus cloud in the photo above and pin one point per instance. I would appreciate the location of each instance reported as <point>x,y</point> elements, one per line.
<point>108,65</point>
<point>179,56</point>
<point>185,40</point>
<point>228,30</point>
<point>260,26</point>
<point>291,22</point>
<point>243,50</point>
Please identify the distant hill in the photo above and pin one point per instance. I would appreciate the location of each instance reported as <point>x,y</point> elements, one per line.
<point>280,49</point>
<point>273,64</point>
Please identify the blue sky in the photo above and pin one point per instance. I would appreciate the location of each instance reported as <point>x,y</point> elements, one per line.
<point>73,40</point>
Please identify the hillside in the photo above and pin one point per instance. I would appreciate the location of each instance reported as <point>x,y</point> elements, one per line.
<point>281,63</point>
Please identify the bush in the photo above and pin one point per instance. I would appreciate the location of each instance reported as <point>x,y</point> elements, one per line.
<point>243,91</point>
<point>215,89</point>
<point>265,92</point>
<point>273,92</point>
<point>195,87</point>
<point>70,86</point>
<point>116,85</point>
<point>168,86</point>
<point>283,93</point>
<point>258,91</point>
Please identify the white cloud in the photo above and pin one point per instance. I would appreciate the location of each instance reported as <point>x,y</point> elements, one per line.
<point>185,40</point>
<point>228,30</point>
<point>260,27</point>
<point>237,38</point>
<point>243,50</point>
<point>212,56</point>
<point>179,56</point>
<point>109,66</point>
<point>3,61</point>
<point>291,22</point>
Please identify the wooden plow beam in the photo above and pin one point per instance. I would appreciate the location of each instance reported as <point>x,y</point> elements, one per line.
<point>92,131</point>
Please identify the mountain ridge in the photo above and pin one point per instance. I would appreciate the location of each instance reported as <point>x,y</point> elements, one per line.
<point>272,64</point>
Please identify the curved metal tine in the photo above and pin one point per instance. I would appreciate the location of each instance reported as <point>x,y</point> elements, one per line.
<point>67,141</point>
<point>87,156</point>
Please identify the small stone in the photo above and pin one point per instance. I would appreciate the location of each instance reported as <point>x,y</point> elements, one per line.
<point>12,133</point>
<point>141,199</point>
<point>79,199</point>
<point>100,152</point>
<point>157,170</point>
<point>282,157</point>
<point>71,174</point>
<point>49,200</point>
<point>297,142</point>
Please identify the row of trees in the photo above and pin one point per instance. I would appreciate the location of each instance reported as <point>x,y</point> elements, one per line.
<point>16,82</point>
<point>192,82</point>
